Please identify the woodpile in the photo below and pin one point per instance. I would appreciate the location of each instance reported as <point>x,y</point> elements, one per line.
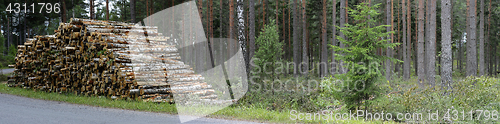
<point>106,58</point>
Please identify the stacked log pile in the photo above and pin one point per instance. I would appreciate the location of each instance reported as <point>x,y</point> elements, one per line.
<point>106,58</point>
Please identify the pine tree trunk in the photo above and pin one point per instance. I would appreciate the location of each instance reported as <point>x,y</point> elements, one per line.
<point>334,37</point>
<point>92,8</point>
<point>277,20</point>
<point>231,31</point>
<point>388,51</point>
<point>305,59</point>
<point>63,12</point>
<point>482,66</point>
<point>221,27</point>
<point>295,39</point>
<point>491,44</point>
<point>406,75</point>
<point>283,31</point>
<point>415,48</point>
<point>431,64</point>
<point>252,28</point>
<point>211,19</point>
<point>8,33</point>
<point>263,13</point>
<point>397,52</point>
<point>408,40</point>
<point>343,13</point>
<point>107,10</point>
<point>290,53</point>
<point>199,52</point>
<point>132,10</point>
<point>427,39</point>
<point>324,50</point>
<point>446,62</point>
<point>467,35</point>
<point>471,41</point>
<point>211,31</point>
<point>421,71</point>
<point>461,45</point>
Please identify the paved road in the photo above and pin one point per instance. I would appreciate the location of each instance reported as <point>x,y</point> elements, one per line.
<point>5,71</point>
<point>21,110</point>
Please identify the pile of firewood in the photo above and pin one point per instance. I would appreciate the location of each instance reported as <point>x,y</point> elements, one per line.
<point>106,58</point>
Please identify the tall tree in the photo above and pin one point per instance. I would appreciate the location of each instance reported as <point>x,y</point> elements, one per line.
<point>324,50</point>
<point>283,30</point>
<point>231,27</point>
<point>471,41</point>
<point>277,20</point>
<point>389,50</point>
<point>446,53</point>
<point>107,10</point>
<point>92,8</point>
<point>461,50</point>
<point>132,11</point>
<point>427,34</point>
<point>420,57</point>
<point>388,21</point>
<point>482,66</point>
<point>492,57</point>
<point>199,54</point>
<point>252,27</point>
<point>63,12</point>
<point>343,13</point>
<point>406,75</point>
<point>221,27</point>
<point>305,58</point>
<point>408,40</point>
<point>241,35</point>
<point>334,31</point>
<point>431,54</point>
<point>296,54</point>
<point>290,31</point>
<point>211,20</point>
<point>9,34</point>
<point>263,13</point>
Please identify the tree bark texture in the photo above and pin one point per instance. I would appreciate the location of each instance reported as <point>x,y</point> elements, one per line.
<point>471,41</point>
<point>421,71</point>
<point>446,53</point>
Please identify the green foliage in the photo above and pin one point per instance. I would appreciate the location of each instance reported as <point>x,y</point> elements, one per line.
<point>2,42</point>
<point>471,93</point>
<point>359,56</point>
<point>269,50</point>
<point>5,60</point>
